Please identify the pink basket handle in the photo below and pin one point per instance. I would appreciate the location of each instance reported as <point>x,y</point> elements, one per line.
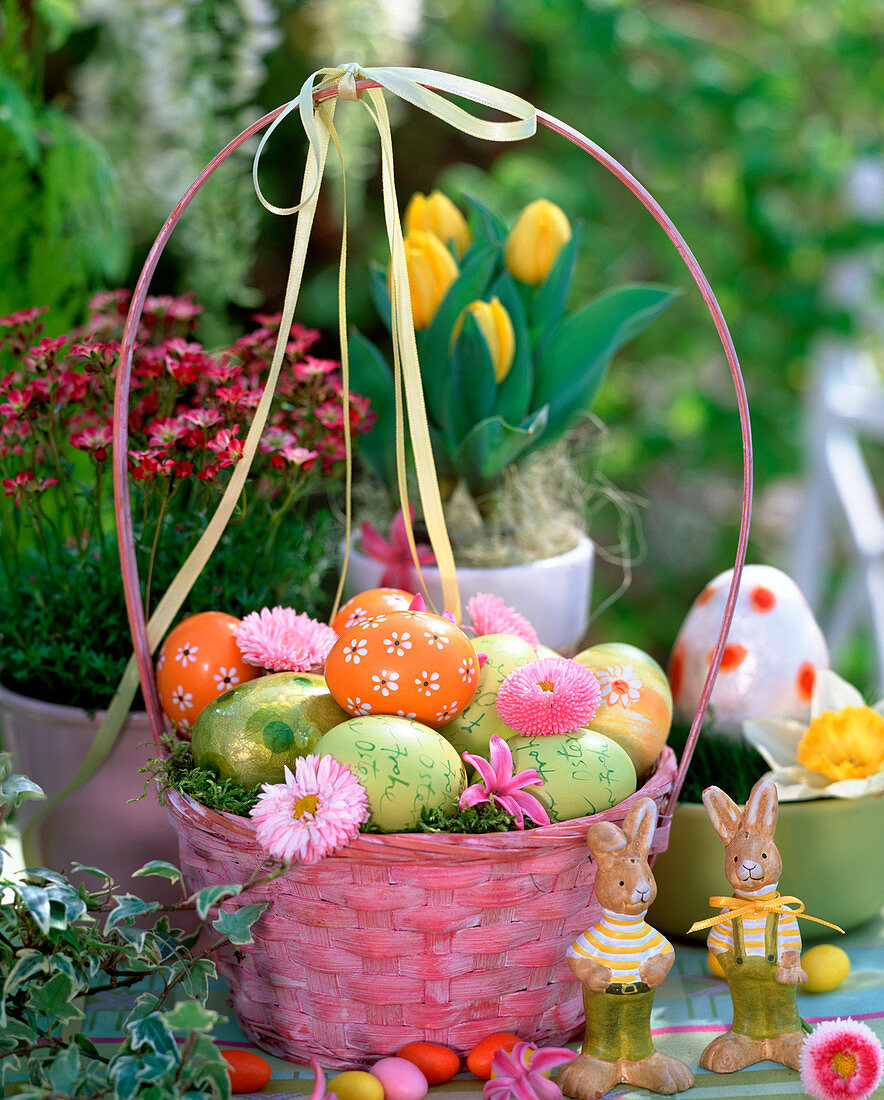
<point>122,504</point>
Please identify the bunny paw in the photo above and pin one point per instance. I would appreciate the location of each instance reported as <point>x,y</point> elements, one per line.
<point>731,1052</point>
<point>587,1078</point>
<point>659,1073</point>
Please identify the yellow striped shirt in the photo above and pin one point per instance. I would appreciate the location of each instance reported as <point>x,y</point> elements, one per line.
<point>721,936</point>
<point>621,943</point>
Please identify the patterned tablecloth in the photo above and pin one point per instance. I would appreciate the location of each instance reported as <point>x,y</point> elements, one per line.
<point>689,1009</point>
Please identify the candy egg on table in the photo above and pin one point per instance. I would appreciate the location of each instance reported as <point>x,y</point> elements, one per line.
<point>636,704</point>
<point>356,1084</point>
<point>199,660</point>
<point>583,772</point>
<point>412,664</point>
<point>472,730</point>
<point>253,731</point>
<point>770,662</point>
<point>402,1080</point>
<point>365,605</point>
<point>403,765</point>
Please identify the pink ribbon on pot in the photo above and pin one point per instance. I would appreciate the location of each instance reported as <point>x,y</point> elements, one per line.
<point>394,552</point>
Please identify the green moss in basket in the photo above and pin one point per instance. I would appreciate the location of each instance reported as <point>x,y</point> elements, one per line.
<point>718,760</point>
<point>177,769</point>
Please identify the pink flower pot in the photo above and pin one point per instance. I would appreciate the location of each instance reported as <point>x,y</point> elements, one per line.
<point>96,825</point>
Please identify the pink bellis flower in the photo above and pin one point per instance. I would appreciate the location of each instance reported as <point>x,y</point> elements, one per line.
<point>500,787</point>
<point>394,553</point>
<point>314,812</point>
<point>490,615</point>
<point>284,641</point>
<point>841,1059</point>
<point>519,1074</point>
<point>549,696</point>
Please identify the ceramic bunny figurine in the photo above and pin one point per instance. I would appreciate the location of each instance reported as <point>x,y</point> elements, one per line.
<point>620,961</point>
<point>756,938</point>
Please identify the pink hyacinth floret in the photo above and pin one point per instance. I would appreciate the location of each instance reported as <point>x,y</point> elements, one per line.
<point>500,787</point>
<point>841,1059</point>
<point>548,696</point>
<point>490,615</point>
<point>314,812</point>
<point>519,1074</point>
<point>284,641</point>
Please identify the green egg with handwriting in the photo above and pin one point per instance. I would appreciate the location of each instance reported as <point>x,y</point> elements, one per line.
<point>251,732</point>
<point>403,765</point>
<point>472,729</point>
<point>583,772</point>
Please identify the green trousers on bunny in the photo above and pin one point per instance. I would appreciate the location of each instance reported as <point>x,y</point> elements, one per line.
<point>618,1023</point>
<point>763,1007</point>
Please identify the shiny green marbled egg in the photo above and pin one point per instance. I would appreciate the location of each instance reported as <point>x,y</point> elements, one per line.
<point>403,765</point>
<point>472,729</point>
<point>583,773</point>
<point>250,733</point>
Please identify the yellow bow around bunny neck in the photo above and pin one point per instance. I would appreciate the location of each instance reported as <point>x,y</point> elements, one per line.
<point>316,105</point>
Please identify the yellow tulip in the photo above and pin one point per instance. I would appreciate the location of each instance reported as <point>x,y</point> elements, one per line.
<point>431,271</point>
<point>436,213</point>
<point>541,232</point>
<point>497,328</point>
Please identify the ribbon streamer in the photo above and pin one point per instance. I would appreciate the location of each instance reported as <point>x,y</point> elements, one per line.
<point>739,908</point>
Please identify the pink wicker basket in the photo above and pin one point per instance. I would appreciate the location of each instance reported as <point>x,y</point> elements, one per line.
<point>444,938</point>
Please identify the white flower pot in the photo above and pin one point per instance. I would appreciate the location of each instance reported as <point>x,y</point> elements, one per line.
<point>553,594</point>
<point>96,825</point>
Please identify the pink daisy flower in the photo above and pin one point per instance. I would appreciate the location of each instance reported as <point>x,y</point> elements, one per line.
<point>552,695</point>
<point>314,812</point>
<point>519,1074</point>
<point>499,785</point>
<point>284,641</point>
<point>490,615</point>
<point>841,1058</point>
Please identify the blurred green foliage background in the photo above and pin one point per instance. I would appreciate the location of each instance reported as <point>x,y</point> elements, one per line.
<point>747,119</point>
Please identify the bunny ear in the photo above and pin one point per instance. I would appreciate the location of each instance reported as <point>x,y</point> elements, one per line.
<point>604,837</point>
<point>762,808</point>
<point>640,824</point>
<point>724,813</point>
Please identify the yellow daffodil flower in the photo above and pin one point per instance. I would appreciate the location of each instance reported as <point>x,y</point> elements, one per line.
<point>541,232</point>
<point>436,213</point>
<point>839,755</point>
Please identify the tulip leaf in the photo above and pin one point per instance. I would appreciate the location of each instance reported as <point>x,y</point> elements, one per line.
<point>434,343</point>
<point>548,303</point>
<point>486,226</point>
<point>472,387</point>
<point>574,358</point>
<point>380,295</point>
<point>514,392</point>
<point>491,446</point>
<point>371,377</point>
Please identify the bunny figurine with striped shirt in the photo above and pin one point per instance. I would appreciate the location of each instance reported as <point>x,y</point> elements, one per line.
<point>621,960</point>
<point>755,938</point>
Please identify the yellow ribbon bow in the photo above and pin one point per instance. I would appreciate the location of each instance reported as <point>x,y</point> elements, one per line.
<point>738,908</point>
<point>409,84</point>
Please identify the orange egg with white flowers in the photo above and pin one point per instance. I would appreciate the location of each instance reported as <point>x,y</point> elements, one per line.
<point>413,664</point>
<point>365,605</point>
<point>197,662</point>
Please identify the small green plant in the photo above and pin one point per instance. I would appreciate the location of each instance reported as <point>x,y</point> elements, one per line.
<point>61,942</point>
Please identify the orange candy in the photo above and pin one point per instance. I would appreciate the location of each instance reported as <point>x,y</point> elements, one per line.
<point>436,1062</point>
<point>248,1071</point>
<point>197,662</point>
<point>365,605</point>
<point>479,1058</point>
<point>409,663</point>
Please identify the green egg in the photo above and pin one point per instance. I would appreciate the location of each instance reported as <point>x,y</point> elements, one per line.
<point>472,730</point>
<point>250,733</point>
<point>583,773</point>
<point>403,766</point>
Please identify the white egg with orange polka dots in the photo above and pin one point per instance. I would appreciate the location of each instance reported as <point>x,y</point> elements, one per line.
<point>770,662</point>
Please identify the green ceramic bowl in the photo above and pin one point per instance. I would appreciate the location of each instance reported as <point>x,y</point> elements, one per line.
<point>833,855</point>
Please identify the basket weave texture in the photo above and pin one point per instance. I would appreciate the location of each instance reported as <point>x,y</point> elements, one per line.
<point>410,936</point>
